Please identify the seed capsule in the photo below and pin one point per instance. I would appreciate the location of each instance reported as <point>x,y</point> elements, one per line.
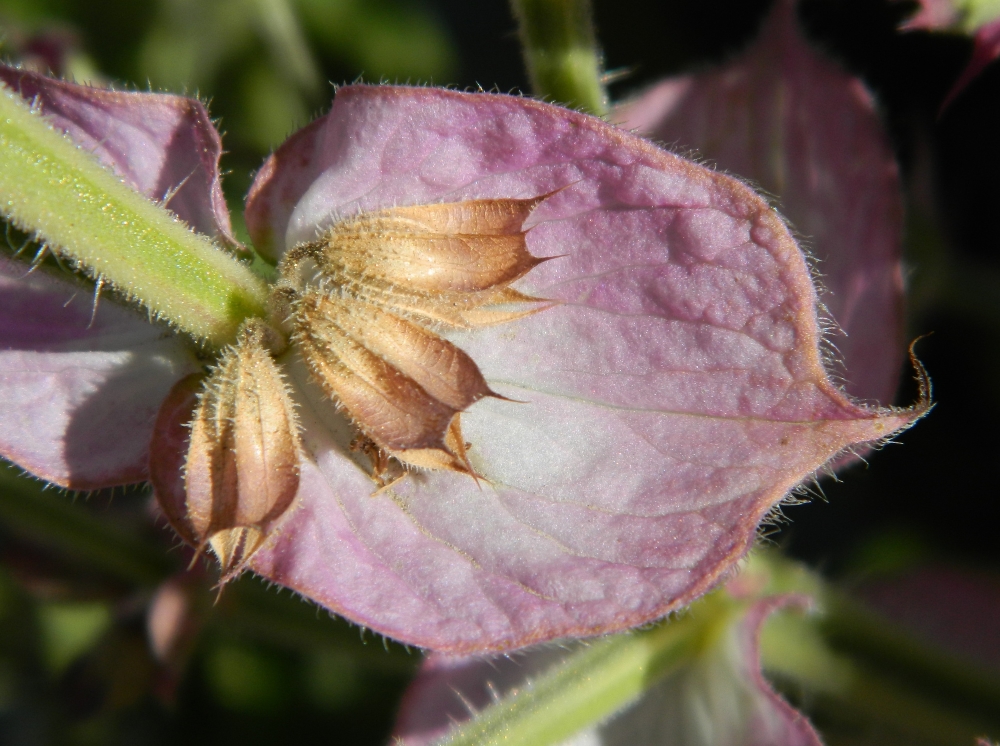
<point>367,298</point>
<point>242,470</point>
<point>401,384</point>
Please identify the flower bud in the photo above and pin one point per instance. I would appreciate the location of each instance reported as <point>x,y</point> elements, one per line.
<point>242,470</point>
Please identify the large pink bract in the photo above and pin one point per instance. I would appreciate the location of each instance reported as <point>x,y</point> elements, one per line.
<point>672,396</point>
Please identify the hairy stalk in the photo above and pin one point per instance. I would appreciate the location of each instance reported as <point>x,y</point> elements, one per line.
<point>62,195</point>
<point>596,681</point>
<point>561,53</point>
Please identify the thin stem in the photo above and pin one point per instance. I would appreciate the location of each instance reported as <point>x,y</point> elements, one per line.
<point>62,195</point>
<point>281,29</point>
<point>844,690</point>
<point>853,666</point>
<point>561,53</point>
<point>852,629</point>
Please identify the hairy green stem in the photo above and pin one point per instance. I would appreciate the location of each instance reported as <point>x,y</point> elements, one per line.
<point>596,681</point>
<point>561,53</point>
<point>61,194</point>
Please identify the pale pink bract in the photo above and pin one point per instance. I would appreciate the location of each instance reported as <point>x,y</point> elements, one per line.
<point>672,396</point>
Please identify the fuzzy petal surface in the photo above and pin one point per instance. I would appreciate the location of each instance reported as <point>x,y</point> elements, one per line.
<point>791,120</point>
<point>720,699</point>
<point>671,396</point>
<point>163,146</point>
<point>79,390</point>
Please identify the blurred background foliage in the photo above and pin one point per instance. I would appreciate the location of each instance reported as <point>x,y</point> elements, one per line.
<point>103,642</point>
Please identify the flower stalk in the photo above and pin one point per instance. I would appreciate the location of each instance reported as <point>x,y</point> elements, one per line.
<point>592,684</point>
<point>72,204</point>
<point>561,53</point>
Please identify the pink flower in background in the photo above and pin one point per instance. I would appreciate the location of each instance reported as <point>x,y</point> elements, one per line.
<point>981,21</point>
<point>670,397</point>
<point>719,698</point>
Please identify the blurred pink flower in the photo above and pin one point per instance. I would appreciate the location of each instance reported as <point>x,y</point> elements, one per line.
<point>979,20</point>
<point>718,698</point>
<point>672,396</point>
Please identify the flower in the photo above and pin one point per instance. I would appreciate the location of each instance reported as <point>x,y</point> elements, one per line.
<point>715,695</point>
<point>669,396</point>
<point>981,21</point>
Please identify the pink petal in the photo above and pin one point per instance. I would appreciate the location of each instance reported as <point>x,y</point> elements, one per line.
<point>985,49</point>
<point>161,145</point>
<point>803,129</point>
<point>278,187</point>
<point>673,396</point>
<point>721,698</point>
<point>933,15</point>
<point>78,396</point>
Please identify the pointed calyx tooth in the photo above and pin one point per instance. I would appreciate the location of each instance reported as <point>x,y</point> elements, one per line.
<point>400,383</point>
<point>461,247</point>
<point>242,471</point>
<point>444,264</point>
<point>368,296</point>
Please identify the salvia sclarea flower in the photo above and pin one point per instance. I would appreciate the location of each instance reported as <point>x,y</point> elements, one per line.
<point>521,374</point>
<point>787,117</point>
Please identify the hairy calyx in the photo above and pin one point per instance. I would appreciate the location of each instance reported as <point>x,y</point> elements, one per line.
<point>364,306</point>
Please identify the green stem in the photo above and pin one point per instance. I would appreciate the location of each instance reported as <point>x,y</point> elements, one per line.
<point>61,194</point>
<point>561,53</point>
<point>282,32</point>
<point>595,682</point>
<point>852,629</point>
<point>847,692</point>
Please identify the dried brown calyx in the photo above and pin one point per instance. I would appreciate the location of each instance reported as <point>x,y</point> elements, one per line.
<point>242,470</point>
<point>368,299</point>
